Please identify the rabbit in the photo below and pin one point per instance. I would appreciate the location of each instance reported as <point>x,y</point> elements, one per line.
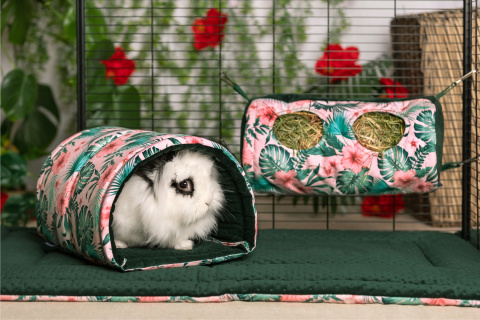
<point>168,202</point>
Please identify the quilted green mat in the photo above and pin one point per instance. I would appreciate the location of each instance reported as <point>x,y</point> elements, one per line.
<point>285,262</point>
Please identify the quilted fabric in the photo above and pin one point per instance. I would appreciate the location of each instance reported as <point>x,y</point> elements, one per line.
<point>285,263</point>
<point>83,176</point>
<point>338,164</point>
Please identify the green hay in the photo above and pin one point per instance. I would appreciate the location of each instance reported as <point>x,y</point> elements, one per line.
<point>378,131</point>
<point>298,130</point>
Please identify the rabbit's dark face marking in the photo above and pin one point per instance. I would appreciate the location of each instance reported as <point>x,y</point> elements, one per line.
<point>185,187</point>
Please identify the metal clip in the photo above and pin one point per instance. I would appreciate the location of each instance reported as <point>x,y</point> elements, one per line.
<point>468,75</point>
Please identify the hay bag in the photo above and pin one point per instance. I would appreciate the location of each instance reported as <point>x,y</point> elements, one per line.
<point>343,147</point>
<point>83,176</point>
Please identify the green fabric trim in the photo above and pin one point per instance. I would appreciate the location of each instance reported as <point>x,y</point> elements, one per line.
<point>393,264</point>
<point>236,225</point>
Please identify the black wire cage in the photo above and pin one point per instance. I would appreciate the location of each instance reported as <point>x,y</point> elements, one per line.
<point>172,84</point>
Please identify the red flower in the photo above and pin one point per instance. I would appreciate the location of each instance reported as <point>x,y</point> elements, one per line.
<point>382,206</point>
<point>338,63</point>
<point>119,67</point>
<point>208,32</point>
<point>4,197</point>
<point>393,89</point>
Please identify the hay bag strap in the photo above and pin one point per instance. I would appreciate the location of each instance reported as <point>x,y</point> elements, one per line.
<point>83,176</point>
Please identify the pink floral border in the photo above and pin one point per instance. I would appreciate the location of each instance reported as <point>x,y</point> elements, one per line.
<point>323,298</point>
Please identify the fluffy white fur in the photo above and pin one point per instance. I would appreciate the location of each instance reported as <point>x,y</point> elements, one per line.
<point>162,217</point>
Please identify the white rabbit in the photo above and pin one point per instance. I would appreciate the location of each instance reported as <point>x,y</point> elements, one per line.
<point>168,202</point>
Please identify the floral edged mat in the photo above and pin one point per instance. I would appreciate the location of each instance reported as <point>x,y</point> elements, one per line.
<point>321,298</point>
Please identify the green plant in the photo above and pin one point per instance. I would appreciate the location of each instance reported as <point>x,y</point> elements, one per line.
<point>30,116</point>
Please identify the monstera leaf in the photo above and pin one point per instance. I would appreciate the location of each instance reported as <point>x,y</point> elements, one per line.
<point>425,127</point>
<point>274,159</point>
<point>348,181</point>
<point>393,160</point>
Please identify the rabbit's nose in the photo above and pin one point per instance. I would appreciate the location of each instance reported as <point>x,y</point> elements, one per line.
<point>208,201</point>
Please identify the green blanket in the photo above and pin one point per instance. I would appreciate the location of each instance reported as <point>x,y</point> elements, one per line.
<point>288,265</point>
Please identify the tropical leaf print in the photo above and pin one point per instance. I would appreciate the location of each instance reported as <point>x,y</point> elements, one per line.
<point>403,301</point>
<point>420,155</point>
<point>47,168</point>
<point>98,145</point>
<point>77,164</point>
<point>425,127</point>
<point>84,227</point>
<point>41,206</point>
<point>150,152</point>
<point>334,141</point>
<point>174,141</point>
<point>141,142</point>
<point>321,149</point>
<point>379,186</point>
<point>335,107</point>
<point>433,176</point>
<point>303,174</point>
<point>314,177</point>
<point>260,128</point>
<point>90,133</point>
<point>139,136</point>
<point>121,176</point>
<point>410,112</point>
<point>93,184</point>
<point>393,160</point>
<point>273,159</point>
<point>85,174</point>
<point>348,181</point>
<point>338,124</point>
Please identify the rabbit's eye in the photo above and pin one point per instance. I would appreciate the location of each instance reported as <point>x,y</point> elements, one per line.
<point>184,187</point>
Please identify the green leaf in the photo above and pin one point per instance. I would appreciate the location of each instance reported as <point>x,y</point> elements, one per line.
<point>98,145</point>
<point>8,12</point>
<point>321,149</point>
<point>107,239</point>
<point>274,159</point>
<point>126,107</point>
<point>35,133</point>
<point>409,113</point>
<point>420,155</point>
<point>85,174</point>
<point>338,125</point>
<point>13,170</point>
<point>150,152</point>
<point>348,181</point>
<point>95,25</point>
<point>420,173</point>
<point>21,12</point>
<point>425,127</point>
<point>303,174</point>
<point>393,160</point>
<point>70,24</point>
<point>19,93</point>
<point>333,141</point>
<point>381,187</point>
<point>18,209</point>
<point>45,99</point>
<point>433,176</point>
<point>95,70</point>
